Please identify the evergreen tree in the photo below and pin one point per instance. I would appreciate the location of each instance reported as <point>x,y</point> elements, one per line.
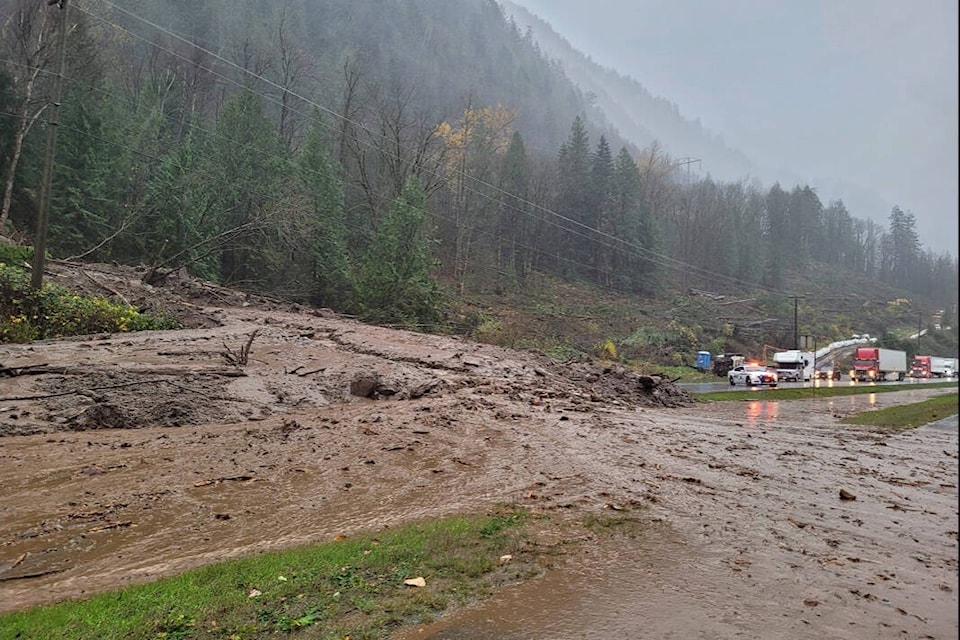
<point>599,214</point>
<point>632,222</point>
<point>901,249</point>
<point>571,250</point>
<point>320,181</point>
<point>181,222</point>
<point>777,236</point>
<point>394,284</point>
<point>247,162</point>
<point>514,223</point>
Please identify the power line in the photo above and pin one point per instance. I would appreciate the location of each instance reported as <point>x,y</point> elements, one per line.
<point>612,242</point>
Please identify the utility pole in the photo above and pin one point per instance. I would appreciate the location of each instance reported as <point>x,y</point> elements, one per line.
<point>919,329</point>
<point>796,326</point>
<point>687,162</point>
<point>53,123</point>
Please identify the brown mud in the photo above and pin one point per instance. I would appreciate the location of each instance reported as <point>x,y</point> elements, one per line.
<point>130,457</point>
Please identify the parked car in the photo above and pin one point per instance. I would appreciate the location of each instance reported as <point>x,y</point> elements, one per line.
<point>752,375</point>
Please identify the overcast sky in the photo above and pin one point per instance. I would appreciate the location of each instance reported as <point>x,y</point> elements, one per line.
<point>858,97</point>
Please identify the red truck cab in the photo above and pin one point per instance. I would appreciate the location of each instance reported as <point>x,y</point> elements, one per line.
<point>920,367</point>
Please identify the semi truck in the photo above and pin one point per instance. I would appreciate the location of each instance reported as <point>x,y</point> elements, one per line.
<point>794,365</point>
<point>933,367</point>
<point>949,367</point>
<point>875,364</point>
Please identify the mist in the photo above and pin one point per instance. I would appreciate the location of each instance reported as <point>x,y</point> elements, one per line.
<point>857,99</point>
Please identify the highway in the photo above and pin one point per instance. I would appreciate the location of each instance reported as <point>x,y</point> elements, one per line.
<point>722,385</point>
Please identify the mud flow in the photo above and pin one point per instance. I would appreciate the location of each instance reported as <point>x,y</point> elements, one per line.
<point>749,537</point>
<point>127,458</point>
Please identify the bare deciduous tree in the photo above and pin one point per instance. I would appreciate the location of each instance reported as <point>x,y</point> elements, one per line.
<point>26,44</point>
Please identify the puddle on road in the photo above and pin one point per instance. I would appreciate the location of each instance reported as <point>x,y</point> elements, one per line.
<point>629,588</point>
<point>765,412</point>
<point>761,410</point>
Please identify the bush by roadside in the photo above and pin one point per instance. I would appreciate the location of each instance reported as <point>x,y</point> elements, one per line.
<point>53,311</point>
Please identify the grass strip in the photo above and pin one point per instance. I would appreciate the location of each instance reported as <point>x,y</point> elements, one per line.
<point>806,393</point>
<point>346,588</point>
<point>908,416</point>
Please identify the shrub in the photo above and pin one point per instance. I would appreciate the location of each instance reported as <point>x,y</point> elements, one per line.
<point>15,254</point>
<point>606,350</point>
<point>55,311</point>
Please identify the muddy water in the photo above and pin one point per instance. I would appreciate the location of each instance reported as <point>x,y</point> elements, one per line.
<point>744,532</point>
<point>735,557</point>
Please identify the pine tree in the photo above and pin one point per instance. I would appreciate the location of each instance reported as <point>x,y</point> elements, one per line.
<point>394,284</point>
<point>598,214</point>
<point>571,250</point>
<point>901,249</point>
<point>632,222</point>
<point>246,166</point>
<point>514,222</point>
<point>331,260</point>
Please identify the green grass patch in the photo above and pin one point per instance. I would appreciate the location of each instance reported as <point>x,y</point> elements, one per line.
<point>347,588</point>
<point>907,416</point>
<point>815,392</point>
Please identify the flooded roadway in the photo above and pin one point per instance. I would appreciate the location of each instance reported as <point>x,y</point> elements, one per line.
<point>753,540</point>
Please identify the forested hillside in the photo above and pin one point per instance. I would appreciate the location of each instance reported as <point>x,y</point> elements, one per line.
<point>640,116</point>
<point>389,160</point>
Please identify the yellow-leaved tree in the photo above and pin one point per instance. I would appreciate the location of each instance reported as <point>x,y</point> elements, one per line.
<point>474,144</point>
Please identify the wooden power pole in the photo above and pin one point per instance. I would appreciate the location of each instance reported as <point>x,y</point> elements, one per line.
<point>53,122</point>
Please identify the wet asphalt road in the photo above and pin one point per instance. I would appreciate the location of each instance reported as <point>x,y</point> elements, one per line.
<point>723,385</point>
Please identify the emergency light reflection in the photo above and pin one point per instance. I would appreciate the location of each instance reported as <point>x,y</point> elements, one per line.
<point>760,409</point>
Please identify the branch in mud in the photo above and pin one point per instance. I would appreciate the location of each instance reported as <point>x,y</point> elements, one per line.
<point>114,525</point>
<point>35,574</point>
<point>113,292</point>
<point>649,382</point>
<point>303,374</point>
<point>158,271</point>
<point>243,356</point>
<point>207,483</point>
<point>30,369</point>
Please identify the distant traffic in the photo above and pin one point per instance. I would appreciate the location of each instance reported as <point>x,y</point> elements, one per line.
<point>869,364</point>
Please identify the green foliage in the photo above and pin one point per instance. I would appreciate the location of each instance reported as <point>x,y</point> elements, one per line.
<point>15,254</point>
<point>332,271</point>
<point>683,336</point>
<point>566,353</point>
<point>54,311</point>
<point>395,285</point>
<point>487,329</point>
<point>646,336</point>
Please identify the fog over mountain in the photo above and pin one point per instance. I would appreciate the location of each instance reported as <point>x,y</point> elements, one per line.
<point>857,99</point>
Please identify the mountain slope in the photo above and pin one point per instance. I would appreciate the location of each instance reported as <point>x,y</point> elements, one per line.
<point>637,114</point>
